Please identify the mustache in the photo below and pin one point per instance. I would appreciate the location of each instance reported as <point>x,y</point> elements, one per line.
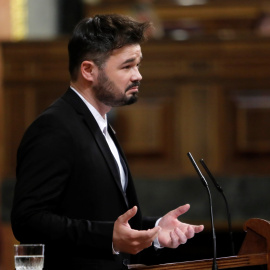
<point>134,84</point>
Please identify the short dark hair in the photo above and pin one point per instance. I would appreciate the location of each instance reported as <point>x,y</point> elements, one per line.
<point>95,38</point>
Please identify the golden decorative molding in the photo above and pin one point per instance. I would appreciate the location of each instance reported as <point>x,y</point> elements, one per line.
<point>19,19</point>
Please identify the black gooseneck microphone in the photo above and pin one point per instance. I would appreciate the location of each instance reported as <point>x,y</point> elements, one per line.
<point>214,266</point>
<point>219,188</point>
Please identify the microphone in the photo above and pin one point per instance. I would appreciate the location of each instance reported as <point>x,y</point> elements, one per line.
<point>219,188</point>
<point>214,266</point>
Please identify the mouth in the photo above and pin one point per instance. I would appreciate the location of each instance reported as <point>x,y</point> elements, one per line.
<point>133,88</point>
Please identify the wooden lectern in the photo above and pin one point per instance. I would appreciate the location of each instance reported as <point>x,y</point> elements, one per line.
<point>255,250</point>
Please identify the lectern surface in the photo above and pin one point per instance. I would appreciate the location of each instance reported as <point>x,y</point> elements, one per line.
<point>255,251</point>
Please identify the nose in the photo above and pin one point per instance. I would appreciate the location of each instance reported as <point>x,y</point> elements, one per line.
<point>136,76</point>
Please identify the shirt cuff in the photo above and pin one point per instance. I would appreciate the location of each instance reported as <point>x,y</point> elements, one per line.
<point>156,242</point>
<point>115,252</point>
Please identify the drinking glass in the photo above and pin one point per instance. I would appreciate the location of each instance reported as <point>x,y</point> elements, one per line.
<point>29,256</point>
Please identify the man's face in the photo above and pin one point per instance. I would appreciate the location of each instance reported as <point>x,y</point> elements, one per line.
<point>118,81</point>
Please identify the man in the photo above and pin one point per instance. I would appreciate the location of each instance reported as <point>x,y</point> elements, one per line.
<point>74,191</point>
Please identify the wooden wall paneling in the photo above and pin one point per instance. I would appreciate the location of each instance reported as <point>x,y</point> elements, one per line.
<point>213,19</point>
<point>247,129</point>
<point>34,75</point>
<point>173,11</point>
<point>219,134</point>
<point>1,115</point>
<point>193,124</point>
<point>208,12</point>
<point>214,127</point>
<point>145,130</point>
<point>249,60</point>
<point>181,109</point>
<point>201,125</point>
<point>22,105</point>
<point>142,125</point>
<point>15,123</point>
<point>47,93</point>
<point>252,124</point>
<point>30,105</point>
<point>7,247</point>
<point>36,61</point>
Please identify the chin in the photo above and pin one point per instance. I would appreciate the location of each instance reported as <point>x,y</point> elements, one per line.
<point>132,99</point>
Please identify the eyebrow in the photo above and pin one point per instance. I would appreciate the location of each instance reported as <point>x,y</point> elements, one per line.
<point>130,60</point>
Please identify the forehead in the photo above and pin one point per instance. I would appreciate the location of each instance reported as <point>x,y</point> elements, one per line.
<point>128,53</point>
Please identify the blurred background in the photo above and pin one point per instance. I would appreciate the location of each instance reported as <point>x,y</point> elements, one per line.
<point>205,90</point>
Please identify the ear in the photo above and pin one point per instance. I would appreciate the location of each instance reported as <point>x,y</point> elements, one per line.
<point>88,70</point>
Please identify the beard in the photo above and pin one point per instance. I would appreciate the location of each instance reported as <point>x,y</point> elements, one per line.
<point>109,94</point>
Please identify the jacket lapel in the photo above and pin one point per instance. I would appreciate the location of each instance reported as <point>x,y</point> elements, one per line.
<point>130,190</point>
<point>75,101</point>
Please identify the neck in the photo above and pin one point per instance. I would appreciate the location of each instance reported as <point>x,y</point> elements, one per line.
<point>88,94</point>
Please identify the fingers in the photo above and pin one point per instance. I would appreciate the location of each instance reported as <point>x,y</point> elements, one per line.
<point>198,228</point>
<point>192,229</point>
<point>174,240</point>
<point>190,232</point>
<point>177,238</point>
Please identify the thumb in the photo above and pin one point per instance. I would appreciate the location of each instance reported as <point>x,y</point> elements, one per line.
<point>154,232</point>
<point>128,215</point>
<point>180,210</point>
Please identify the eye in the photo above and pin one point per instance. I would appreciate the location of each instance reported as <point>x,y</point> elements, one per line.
<point>130,66</point>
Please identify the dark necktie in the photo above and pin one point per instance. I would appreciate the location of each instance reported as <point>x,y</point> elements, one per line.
<point>125,171</point>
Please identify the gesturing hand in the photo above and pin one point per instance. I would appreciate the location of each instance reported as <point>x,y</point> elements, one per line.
<point>128,240</point>
<point>173,232</point>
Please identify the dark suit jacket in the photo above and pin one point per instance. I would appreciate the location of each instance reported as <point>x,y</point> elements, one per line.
<point>68,192</point>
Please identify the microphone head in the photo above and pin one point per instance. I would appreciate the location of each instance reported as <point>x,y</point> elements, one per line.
<point>197,169</point>
<point>219,188</point>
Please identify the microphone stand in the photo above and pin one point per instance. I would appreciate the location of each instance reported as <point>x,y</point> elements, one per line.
<point>219,188</point>
<point>214,266</point>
